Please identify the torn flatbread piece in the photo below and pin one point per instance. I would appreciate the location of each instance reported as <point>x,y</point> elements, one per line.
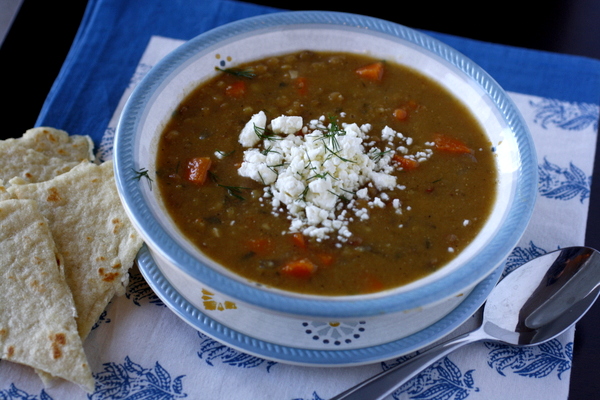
<point>41,154</point>
<point>37,311</point>
<point>92,233</point>
<point>58,143</point>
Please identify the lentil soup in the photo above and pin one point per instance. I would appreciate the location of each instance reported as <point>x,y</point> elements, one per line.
<point>326,173</point>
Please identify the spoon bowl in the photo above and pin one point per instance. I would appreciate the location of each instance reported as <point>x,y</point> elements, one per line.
<point>531,305</point>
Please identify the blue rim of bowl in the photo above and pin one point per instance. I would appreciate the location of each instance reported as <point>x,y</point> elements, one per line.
<point>310,357</point>
<point>467,275</point>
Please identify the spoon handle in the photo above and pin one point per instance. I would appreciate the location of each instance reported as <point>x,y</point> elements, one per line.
<point>384,383</point>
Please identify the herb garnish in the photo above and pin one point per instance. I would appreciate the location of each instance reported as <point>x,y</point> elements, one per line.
<point>143,172</point>
<point>376,155</point>
<point>266,134</point>
<point>332,132</point>
<point>234,191</point>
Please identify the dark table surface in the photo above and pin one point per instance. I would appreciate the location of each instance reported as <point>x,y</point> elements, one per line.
<point>40,36</point>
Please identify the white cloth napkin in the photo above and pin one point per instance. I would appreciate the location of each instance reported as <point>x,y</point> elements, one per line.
<point>141,350</point>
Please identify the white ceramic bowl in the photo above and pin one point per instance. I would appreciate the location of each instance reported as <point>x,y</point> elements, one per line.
<point>186,278</point>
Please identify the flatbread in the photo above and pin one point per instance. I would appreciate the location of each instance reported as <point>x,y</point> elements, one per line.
<point>41,154</point>
<point>92,233</point>
<point>37,311</point>
<point>58,143</point>
<point>4,195</point>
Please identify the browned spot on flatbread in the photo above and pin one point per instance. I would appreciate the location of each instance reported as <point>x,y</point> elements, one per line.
<point>108,276</point>
<point>50,136</point>
<point>35,284</point>
<point>10,352</point>
<point>58,340</point>
<point>53,194</point>
<point>118,225</point>
<point>111,277</point>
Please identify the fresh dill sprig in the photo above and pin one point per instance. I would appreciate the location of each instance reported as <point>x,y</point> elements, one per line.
<point>237,72</point>
<point>143,172</point>
<point>331,134</point>
<point>304,193</point>
<point>339,196</point>
<point>321,176</point>
<point>268,150</point>
<point>333,153</point>
<point>334,126</point>
<point>266,134</point>
<point>376,155</point>
<point>234,191</point>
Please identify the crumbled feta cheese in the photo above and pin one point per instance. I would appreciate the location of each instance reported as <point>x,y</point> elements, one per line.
<point>248,136</point>
<point>382,180</point>
<point>317,176</point>
<point>362,193</point>
<point>286,125</point>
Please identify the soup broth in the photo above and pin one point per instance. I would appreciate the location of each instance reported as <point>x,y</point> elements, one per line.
<point>326,173</point>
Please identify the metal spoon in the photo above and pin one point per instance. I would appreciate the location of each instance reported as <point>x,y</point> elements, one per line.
<point>531,305</point>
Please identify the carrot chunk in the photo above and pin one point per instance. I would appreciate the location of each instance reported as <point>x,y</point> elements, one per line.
<point>236,90</point>
<point>325,259</point>
<point>405,110</point>
<point>407,164</point>
<point>197,170</point>
<point>301,85</point>
<point>298,240</point>
<point>260,246</point>
<point>400,114</point>
<point>303,268</point>
<point>371,72</point>
<point>449,144</point>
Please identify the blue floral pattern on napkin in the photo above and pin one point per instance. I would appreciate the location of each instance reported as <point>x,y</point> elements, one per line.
<point>102,319</point>
<point>14,393</point>
<point>521,255</point>
<point>560,183</point>
<point>443,380</point>
<point>531,361</point>
<point>564,115</point>
<point>138,290</point>
<point>211,350</point>
<point>128,381</point>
